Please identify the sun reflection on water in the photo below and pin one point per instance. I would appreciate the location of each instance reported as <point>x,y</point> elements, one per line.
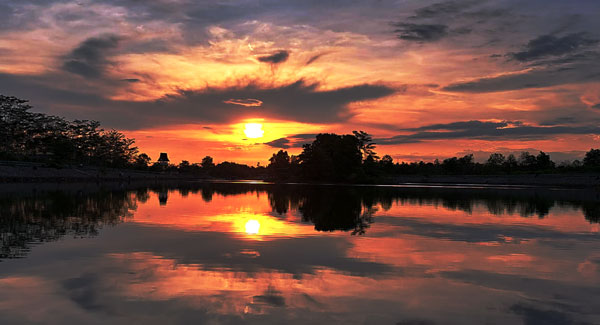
<point>252,227</point>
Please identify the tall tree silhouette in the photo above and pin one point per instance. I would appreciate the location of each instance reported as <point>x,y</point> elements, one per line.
<point>366,145</point>
<point>331,157</point>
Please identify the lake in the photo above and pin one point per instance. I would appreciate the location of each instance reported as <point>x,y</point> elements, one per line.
<point>230,253</point>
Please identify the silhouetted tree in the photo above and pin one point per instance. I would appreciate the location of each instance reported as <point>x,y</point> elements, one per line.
<point>280,165</point>
<point>25,135</point>
<point>456,165</point>
<point>279,160</point>
<point>496,160</point>
<point>387,163</point>
<point>332,157</point>
<point>366,145</point>
<point>511,162</point>
<point>527,160</point>
<point>543,161</point>
<point>142,161</point>
<point>207,162</point>
<point>592,158</point>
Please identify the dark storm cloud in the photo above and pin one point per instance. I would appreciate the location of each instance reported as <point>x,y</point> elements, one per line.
<point>298,101</point>
<point>482,130</point>
<point>293,141</point>
<point>91,57</point>
<point>550,45</point>
<point>275,58</point>
<point>420,32</point>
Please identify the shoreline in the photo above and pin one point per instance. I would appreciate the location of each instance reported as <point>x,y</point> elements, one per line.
<point>36,173</point>
<point>541,180</point>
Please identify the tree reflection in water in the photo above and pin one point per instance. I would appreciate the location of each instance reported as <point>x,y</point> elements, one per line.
<point>29,220</point>
<point>26,220</point>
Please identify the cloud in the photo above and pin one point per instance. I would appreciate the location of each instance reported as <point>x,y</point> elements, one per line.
<point>314,58</point>
<point>155,45</point>
<point>483,130</point>
<point>449,18</point>
<point>299,101</point>
<point>588,70</point>
<point>283,143</point>
<point>550,45</point>
<point>551,60</point>
<point>131,80</point>
<point>443,8</point>
<point>473,125</point>
<point>247,102</point>
<point>420,32</point>
<point>292,141</point>
<point>532,315</point>
<point>275,58</point>
<point>90,58</point>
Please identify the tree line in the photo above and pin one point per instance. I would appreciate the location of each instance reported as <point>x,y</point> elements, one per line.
<point>29,136</point>
<point>352,158</point>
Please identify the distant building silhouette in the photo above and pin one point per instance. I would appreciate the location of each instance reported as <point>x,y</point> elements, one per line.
<point>163,159</point>
<point>163,196</point>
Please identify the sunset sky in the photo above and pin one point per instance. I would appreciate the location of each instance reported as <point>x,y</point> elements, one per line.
<point>239,80</point>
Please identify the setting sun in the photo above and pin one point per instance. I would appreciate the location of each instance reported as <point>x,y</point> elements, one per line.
<point>252,227</point>
<point>253,130</point>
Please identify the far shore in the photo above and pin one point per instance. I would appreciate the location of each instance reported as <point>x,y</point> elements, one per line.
<point>31,173</point>
<point>39,173</point>
<point>561,180</point>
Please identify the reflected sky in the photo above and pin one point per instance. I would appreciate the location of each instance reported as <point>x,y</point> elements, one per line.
<point>260,253</point>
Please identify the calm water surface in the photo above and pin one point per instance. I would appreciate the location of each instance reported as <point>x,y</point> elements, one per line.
<point>259,253</point>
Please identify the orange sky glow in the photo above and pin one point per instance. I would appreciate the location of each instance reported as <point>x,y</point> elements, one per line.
<point>426,81</point>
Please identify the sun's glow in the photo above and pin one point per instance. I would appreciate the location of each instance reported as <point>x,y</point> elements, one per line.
<point>253,130</point>
<point>252,227</point>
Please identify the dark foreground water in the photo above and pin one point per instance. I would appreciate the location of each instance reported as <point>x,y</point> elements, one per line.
<point>293,254</point>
